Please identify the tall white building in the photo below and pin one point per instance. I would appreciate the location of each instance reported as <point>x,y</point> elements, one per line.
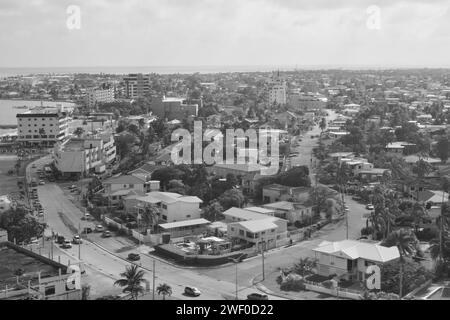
<point>92,154</point>
<point>277,91</point>
<point>42,126</point>
<point>100,95</point>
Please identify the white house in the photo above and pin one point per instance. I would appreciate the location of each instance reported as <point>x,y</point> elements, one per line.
<point>118,188</point>
<point>290,211</point>
<point>350,258</point>
<point>173,207</point>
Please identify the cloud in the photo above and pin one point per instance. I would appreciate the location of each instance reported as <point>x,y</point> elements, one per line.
<point>223,32</point>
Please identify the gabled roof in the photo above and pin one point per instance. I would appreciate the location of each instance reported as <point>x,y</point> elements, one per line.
<point>125,179</point>
<point>258,225</point>
<point>244,214</point>
<point>353,249</point>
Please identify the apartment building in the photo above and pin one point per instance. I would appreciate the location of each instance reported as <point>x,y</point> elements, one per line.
<point>95,96</point>
<point>42,126</point>
<point>173,108</point>
<point>79,156</point>
<point>276,92</point>
<point>136,85</point>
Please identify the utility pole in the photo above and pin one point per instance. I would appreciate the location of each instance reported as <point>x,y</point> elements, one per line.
<point>79,244</point>
<point>154,267</point>
<point>262,256</point>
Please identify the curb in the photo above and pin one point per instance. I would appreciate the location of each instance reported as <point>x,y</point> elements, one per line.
<point>264,289</point>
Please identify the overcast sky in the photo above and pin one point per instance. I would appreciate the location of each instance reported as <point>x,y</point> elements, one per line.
<point>33,33</point>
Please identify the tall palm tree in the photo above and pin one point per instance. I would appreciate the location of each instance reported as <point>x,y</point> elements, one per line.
<point>150,216</point>
<point>405,241</point>
<point>421,168</point>
<point>132,281</point>
<point>164,290</point>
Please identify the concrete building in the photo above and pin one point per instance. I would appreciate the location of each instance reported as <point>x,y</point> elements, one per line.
<point>43,278</point>
<point>42,126</point>
<point>79,156</point>
<point>136,85</point>
<point>173,207</point>
<point>95,96</point>
<point>290,211</point>
<point>276,91</point>
<point>173,108</point>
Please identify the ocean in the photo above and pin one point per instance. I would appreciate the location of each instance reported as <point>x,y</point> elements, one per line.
<point>7,72</point>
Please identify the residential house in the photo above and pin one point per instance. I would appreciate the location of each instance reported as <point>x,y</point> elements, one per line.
<point>116,189</point>
<point>290,211</point>
<point>246,172</point>
<point>173,207</point>
<point>400,147</point>
<point>184,228</point>
<point>349,259</point>
<point>277,192</point>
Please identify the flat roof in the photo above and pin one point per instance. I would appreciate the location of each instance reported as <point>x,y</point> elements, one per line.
<point>13,257</point>
<point>185,223</point>
<point>244,214</point>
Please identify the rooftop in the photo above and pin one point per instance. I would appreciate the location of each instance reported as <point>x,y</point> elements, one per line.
<point>258,225</point>
<point>352,249</point>
<point>185,223</point>
<point>244,214</point>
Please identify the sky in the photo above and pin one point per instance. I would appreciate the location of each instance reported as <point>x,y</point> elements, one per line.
<point>34,33</point>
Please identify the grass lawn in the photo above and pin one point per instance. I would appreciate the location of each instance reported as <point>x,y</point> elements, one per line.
<point>8,183</point>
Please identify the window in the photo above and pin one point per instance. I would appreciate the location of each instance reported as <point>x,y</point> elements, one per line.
<point>241,232</point>
<point>164,217</point>
<point>164,206</point>
<point>131,185</point>
<point>273,230</point>
<point>50,290</point>
<point>188,216</point>
<point>232,229</point>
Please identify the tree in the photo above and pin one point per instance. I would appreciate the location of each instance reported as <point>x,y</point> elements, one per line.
<point>150,216</point>
<point>443,148</point>
<point>21,226</point>
<point>305,266</point>
<point>404,240</point>
<point>164,290</point>
<point>165,175</point>
<point>323,124</point>
<point>213,212</point>
<point>231,198</point>
<point>132,280</point>
<point>295,177</point>
<point>78,132</point>
<point>414,275</point>
<point>421,168</point>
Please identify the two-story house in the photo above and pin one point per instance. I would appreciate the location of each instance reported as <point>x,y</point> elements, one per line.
<point>349,259</point>
<point>290,211</point>
<point>116,189</point>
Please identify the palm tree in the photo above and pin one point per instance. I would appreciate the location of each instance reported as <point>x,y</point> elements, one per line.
<point>150,216</point>
<point>165,290</point>
<point>132,281</point>
<point>405,241</point>
<point>421,168</point>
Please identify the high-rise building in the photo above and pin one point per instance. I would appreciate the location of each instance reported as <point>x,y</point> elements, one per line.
<point>104,94</point>
<point>136,85</point>
<point>42,126</point>
<point>276,91</point>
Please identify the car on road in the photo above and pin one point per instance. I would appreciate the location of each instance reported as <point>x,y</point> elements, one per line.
<point>99,228</point>
<point>87,230</point>
<point>33,166</point>
<point>41,182</point>
<point>257,296</point>
<point>370,207</point>
<point>106,234</point>
<point>134,257</point>
<point>67,244</point>
<point>192,291</point>
<point>77,239</point>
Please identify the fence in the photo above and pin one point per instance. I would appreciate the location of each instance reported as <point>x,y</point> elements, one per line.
<point>337,292</point>
<point>154,239</point>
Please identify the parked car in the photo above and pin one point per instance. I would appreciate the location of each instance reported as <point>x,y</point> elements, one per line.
<point>99,228</point>
<point>67,244</point>
<point>106,234</point>
<point>370,207</point>
<point>257,296</point>
<point>41,182</point>
<point>87,230</point>
<point>134,257</point>
<point>192,291</point>
<point>77,239</point>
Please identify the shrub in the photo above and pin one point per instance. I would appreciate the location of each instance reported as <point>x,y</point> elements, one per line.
<point>427,234</point>
<point>292,282</point>
<point>366,231</point>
